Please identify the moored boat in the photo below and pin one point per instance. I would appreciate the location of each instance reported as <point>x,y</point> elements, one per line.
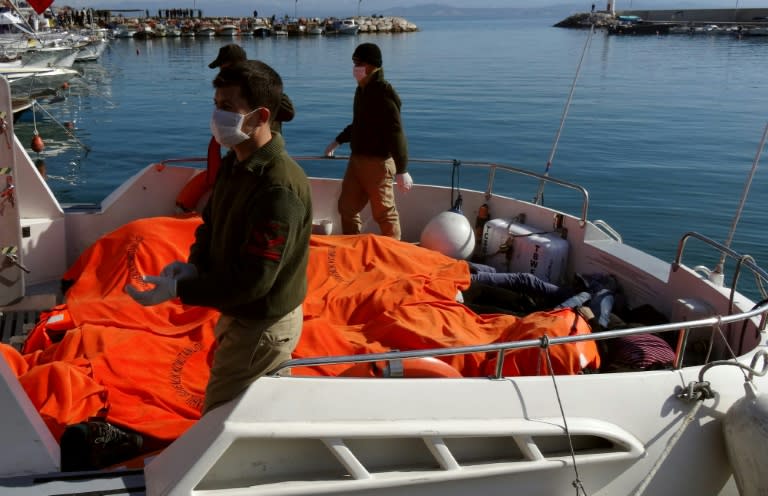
<point>31,80</point>
<point>227,30</point>
<point>648,425</point>
<point>205,31</point>
<point>347,26</point>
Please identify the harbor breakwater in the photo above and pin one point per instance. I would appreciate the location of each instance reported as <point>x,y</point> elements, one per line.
<point>691,17</point>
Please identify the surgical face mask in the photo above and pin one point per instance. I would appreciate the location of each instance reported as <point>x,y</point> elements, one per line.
<point>358,72</point>
<point>226,127</point>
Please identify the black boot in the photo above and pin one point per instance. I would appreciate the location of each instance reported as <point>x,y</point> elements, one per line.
<point>97,444</point>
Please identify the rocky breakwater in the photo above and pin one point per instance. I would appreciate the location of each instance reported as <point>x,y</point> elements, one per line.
<point>382,24</point>
<point>586,19</point>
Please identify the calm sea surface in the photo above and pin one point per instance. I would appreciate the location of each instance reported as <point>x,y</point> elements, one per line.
<point>662,130</point>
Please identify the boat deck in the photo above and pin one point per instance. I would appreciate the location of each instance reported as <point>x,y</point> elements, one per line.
<point>17,321</point>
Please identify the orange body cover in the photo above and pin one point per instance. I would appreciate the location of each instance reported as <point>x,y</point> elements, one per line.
<point>146,368</point>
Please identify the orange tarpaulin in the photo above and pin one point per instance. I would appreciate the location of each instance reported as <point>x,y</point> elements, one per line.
<point>146,367</point>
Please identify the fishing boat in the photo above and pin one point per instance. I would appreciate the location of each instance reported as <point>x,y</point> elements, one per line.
<point>229,30</point>
<point>343,26</point>
<point>32,80</point>
<point>398,386</point>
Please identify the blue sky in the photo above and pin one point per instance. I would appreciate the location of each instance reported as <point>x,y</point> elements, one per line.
<point>368,7</point>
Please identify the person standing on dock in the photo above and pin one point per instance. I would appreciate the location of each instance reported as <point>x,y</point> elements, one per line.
<point>250,254</point>
<point>379,148</point>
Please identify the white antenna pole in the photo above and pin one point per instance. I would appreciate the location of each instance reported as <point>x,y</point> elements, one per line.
<point>719,269</point>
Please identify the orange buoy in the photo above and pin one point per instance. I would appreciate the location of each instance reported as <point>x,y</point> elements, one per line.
<point>423,367</point>
<point>37,144</point>
<point>65,85</point>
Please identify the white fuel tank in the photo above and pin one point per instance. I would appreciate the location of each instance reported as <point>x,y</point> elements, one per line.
<point>509,246</point>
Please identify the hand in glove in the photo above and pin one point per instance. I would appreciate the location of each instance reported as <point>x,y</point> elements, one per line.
<point>331,148</point>
<point>404,182</point>
<point>165,289</point>
<point>179,271</point>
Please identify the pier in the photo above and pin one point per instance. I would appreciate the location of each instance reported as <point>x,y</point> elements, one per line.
<point>192,23</point>
<point>744,21</point>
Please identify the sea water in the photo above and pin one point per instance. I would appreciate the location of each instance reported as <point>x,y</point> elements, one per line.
<point>662,130</point>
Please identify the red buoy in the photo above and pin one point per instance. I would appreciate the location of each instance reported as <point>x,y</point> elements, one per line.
<point>65,85</point>
<point>37,143</point>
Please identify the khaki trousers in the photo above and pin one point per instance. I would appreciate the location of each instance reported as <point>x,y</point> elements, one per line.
<point>247,349</point>
<point>369,179</point>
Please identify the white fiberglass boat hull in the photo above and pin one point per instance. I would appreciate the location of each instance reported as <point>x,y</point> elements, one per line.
<point>627,433</point>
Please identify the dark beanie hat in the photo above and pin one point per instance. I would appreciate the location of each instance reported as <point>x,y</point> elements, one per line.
<point>229,54</point>
<point>368,53</point>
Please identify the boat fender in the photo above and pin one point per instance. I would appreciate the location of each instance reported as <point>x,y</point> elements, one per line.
<point>424,367</point>
<point>745,427</point>
<point>37,145</point>
<point>450,234</point>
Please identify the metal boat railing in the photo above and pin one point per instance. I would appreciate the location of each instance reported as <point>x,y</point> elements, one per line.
<point>544,342</point>
<point>492,168</point>
<point>500,348</point>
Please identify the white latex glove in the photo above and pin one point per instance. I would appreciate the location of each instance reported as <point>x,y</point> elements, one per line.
<point>179,271</point>
<point>331,148</point>
<point>165,289</point>
<point>404,182</point>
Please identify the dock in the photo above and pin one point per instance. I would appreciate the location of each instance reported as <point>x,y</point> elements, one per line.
<point>743,21</point>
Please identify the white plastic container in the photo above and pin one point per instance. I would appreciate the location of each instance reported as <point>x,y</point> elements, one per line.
<point>513,247</point>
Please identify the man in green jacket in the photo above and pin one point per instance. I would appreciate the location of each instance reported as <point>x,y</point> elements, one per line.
<point>232,54</point>
<point>250,255</point>
<point>379,148</point>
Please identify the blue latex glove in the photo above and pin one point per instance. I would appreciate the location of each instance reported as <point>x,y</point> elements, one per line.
<point>164,290</point>
<point>179,271</point>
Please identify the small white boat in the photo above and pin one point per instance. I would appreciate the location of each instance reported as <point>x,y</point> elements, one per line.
<point>30,80</point>
<point>205,31</point>
<point>399,429</point>
<point>125,30</point>
<point>345,26</point>
<point>91,51</point>
<point>227,30</point>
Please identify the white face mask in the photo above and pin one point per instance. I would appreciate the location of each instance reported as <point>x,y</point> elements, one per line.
<point>226,127</point>
<point>358,72</point>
